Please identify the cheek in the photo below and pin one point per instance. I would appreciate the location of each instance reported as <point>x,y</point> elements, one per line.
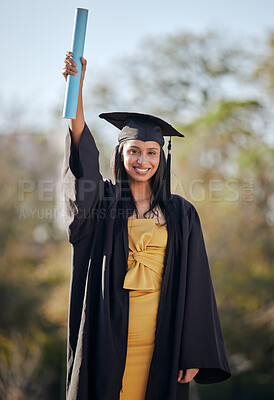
<point>157,162</point>
<point>126,160</point>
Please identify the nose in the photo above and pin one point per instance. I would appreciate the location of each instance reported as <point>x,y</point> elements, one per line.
<point>142,158</point>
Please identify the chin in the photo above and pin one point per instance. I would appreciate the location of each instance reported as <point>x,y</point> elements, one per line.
<point>140,179</point>
<point>135,177</point>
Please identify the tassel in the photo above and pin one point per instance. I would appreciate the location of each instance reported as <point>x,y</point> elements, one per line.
<point>168,166</point>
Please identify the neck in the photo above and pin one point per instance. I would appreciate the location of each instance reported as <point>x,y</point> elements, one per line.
<point>141,191</point>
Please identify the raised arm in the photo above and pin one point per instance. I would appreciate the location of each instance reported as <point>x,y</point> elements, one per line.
<point>82,182</point>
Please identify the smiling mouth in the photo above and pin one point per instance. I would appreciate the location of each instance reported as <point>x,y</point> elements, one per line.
<point>141,170</point>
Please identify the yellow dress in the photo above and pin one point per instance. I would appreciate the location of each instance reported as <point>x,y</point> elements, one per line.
<point>147,244</point>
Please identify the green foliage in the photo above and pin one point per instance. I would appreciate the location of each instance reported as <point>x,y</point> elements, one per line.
<point>32,329</point>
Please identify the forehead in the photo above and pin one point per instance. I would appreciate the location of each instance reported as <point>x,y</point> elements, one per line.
<point>141,144</point>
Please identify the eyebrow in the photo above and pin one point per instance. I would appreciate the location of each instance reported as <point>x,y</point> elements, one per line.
<point>150,148</point>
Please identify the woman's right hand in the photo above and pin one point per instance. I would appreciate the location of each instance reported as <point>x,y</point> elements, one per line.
<point>76,125</point>
<point>70,67</point>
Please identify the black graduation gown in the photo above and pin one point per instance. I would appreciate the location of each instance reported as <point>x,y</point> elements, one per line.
<point>188,332</point>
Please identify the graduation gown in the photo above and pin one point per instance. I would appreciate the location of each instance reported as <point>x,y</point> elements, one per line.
<point>188,332</point>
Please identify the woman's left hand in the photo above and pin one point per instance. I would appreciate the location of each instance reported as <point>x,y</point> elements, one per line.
<point>185,376</point>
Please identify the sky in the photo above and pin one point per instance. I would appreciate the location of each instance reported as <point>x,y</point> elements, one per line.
<point>35,36</point>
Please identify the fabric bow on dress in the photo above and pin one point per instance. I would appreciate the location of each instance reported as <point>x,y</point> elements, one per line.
<point>146,255</point>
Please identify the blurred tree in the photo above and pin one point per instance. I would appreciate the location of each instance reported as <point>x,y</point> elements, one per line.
<point>34,270</point>
<point>181,75</point>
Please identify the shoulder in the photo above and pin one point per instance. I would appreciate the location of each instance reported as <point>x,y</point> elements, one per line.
<point>183,208</point>
<point>187,210</point>
<point>110,190</point>
<point>182,205</point>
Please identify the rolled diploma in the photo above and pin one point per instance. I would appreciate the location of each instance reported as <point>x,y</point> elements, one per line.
<point>77,47</point>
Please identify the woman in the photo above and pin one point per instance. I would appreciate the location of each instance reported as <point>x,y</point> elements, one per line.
<point>143,320</point>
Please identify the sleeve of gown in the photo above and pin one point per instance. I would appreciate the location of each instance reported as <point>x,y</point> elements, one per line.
<point>202,344</point>
<point>82,185</point>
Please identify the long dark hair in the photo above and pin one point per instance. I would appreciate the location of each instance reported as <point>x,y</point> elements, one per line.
<point>160,196</point>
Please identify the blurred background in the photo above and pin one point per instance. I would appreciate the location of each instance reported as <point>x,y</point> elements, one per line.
<point>207,67</point>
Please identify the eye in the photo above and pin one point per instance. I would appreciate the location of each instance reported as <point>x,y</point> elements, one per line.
<point>152,153</point>
<point>133,151</point>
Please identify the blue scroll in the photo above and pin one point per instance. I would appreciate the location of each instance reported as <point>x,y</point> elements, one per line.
<point>77,47</point>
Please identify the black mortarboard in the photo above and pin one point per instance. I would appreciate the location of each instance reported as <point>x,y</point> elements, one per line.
<point>143,127</point>
<point>140,126</point>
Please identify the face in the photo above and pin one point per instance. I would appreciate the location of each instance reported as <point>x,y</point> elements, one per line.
<point>141,159</point>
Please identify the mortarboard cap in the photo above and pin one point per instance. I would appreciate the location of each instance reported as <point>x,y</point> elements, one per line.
<point>140,126</point>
